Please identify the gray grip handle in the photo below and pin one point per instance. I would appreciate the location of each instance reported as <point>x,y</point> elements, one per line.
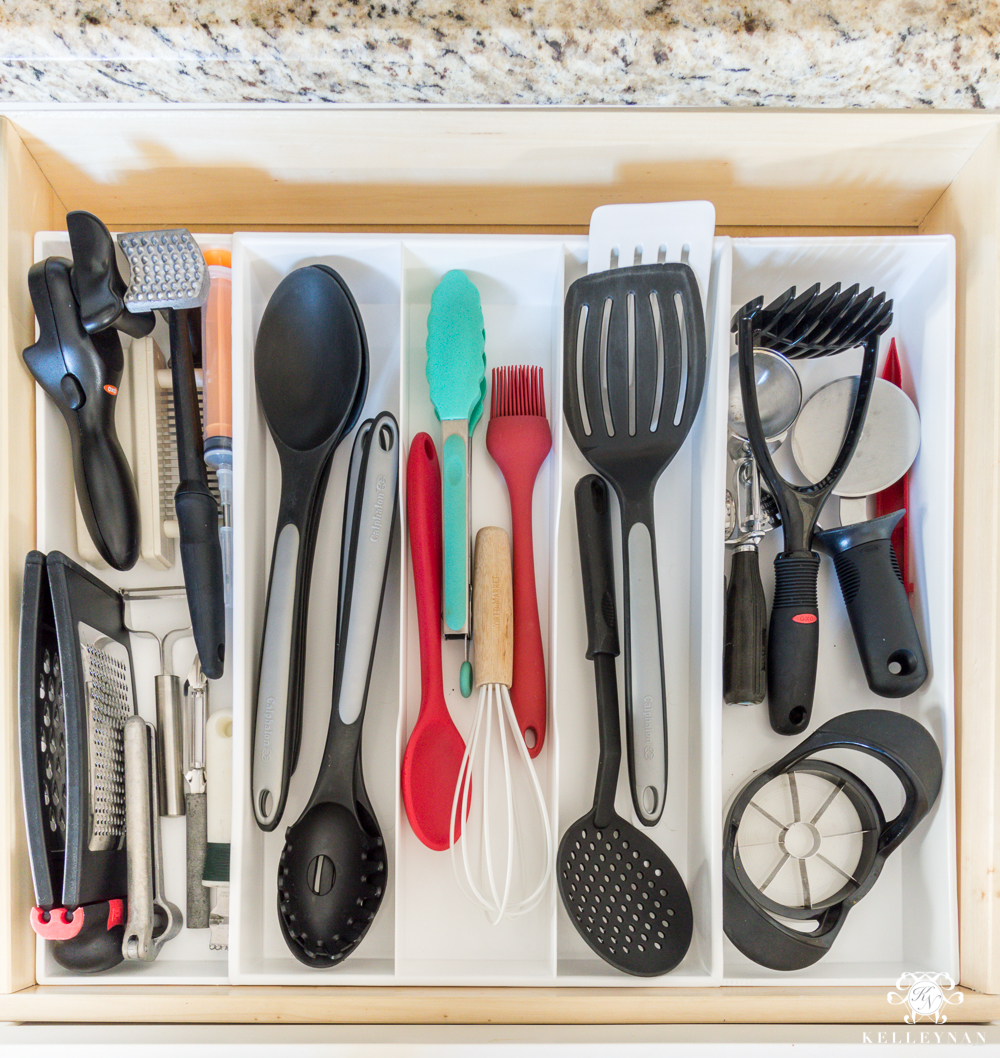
<point>272,719</point>
<point>197,842</point>
<point>646,701</point>
<point>375,506</point>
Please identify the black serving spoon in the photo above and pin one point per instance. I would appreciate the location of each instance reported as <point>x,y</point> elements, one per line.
<point>310,363</point>
<point>620,889</point>
<point>333,868</point>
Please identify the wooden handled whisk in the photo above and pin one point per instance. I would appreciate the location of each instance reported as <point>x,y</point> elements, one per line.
<point>505,859</point>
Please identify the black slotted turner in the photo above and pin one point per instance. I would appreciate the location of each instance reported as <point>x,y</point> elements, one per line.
<point>634,367</point>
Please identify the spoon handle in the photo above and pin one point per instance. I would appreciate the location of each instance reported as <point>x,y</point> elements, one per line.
<point>370,514</point>
<point>423,507</point>
<point>279,690</point>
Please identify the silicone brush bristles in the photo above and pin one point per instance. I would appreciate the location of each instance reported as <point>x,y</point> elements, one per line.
<point>517,391</point>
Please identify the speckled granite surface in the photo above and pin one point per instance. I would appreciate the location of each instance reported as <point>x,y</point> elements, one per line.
<point>782,53</point>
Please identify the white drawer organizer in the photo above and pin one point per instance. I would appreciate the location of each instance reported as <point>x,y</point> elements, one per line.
<point>426,933</point>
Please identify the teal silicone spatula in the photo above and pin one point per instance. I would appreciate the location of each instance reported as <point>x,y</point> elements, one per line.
<point>456,372</point>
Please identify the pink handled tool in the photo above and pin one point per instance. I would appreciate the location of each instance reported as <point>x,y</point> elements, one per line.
<point>434,751</point>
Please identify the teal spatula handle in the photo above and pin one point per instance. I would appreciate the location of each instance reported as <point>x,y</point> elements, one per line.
<point>455,481</point>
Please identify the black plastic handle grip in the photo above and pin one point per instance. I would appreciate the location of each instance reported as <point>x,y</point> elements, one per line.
<point>793,642</point>
<point>197,510</point>
<point>877,604</point>
<point>744,658</point>
<point>593,523</point>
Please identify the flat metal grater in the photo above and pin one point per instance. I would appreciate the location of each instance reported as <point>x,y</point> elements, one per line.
<point>107,678</point>
<point>76,690</point>
<point>166,270</point>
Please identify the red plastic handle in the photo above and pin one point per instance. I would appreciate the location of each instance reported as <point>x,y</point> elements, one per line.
<point>527,691</point>
<point>423,513</point>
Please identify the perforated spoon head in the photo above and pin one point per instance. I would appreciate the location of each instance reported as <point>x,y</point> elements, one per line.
<point>331,880</point>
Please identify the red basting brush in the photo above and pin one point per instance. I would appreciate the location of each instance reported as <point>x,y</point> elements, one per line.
<point>519,438</point>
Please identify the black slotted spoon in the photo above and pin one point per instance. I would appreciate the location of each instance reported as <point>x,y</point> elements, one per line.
<point>816,323</point>
<point>621,891</point>
<point>634,362</point>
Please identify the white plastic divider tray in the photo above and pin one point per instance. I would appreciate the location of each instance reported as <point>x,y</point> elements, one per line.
<point>426,932</point>
<point>909,920</point>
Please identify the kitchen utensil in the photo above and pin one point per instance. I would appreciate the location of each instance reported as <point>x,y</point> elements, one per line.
<point>169,728</point>
<point>456,372</point>
<point>167,272</point>
<point>434,749</point>
<point>75,691</point>
<point>635,358</point>
<point>219,776</point>
<point>779,396</point>
<point>519,440</point>
<point>217,344</point>
<point>869,575</point>
<point>97,284</point>
<point>636,235</point>
<point>475,798</point>
<point>621,891</point>
<point>875,596</point>
<point>333,868</point>
<point>806,839</point>
<point>152,918</point>
<point>195,797</point>
<point>310,362</point>
<point>890,437</point>
<point>895,497</point>
<point>810,325</point>
<point>81,374</point>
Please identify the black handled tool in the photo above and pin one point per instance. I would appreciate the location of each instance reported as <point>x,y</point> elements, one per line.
<point>168,272</point>
<point>877,604</point>
<point>811,325</point>
<point>81,373</point>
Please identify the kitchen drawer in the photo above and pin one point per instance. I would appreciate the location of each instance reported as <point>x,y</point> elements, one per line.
<point>507,171</point>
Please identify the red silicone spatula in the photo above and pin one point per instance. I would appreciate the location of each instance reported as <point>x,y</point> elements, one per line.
<point>434,752</point>
<point>897,496</point>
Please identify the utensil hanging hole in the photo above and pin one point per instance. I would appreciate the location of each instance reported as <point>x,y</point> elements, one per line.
<point>650,800</point>
<point>654,304</point>
<point>609,424</point>
<point>797,715</point>
<point>637,255</point>
<point>581,331</point>
<point>264,803</point>
<point>902,663</point>
<point>530,738</point>
<point>385,438</point>
<point>685,363</point>
<point>630,306</point>
<point>614,257</point>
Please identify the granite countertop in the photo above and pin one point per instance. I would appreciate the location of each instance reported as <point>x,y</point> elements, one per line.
<point>775,53</point>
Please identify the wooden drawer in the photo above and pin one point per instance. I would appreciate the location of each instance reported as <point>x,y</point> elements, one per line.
<point>523,170</point>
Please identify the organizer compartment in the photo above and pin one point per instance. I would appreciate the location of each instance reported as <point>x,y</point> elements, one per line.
<point>371,268</point>
<point>908,922</point>
<point>186,959</point>
<point>688,516</point>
